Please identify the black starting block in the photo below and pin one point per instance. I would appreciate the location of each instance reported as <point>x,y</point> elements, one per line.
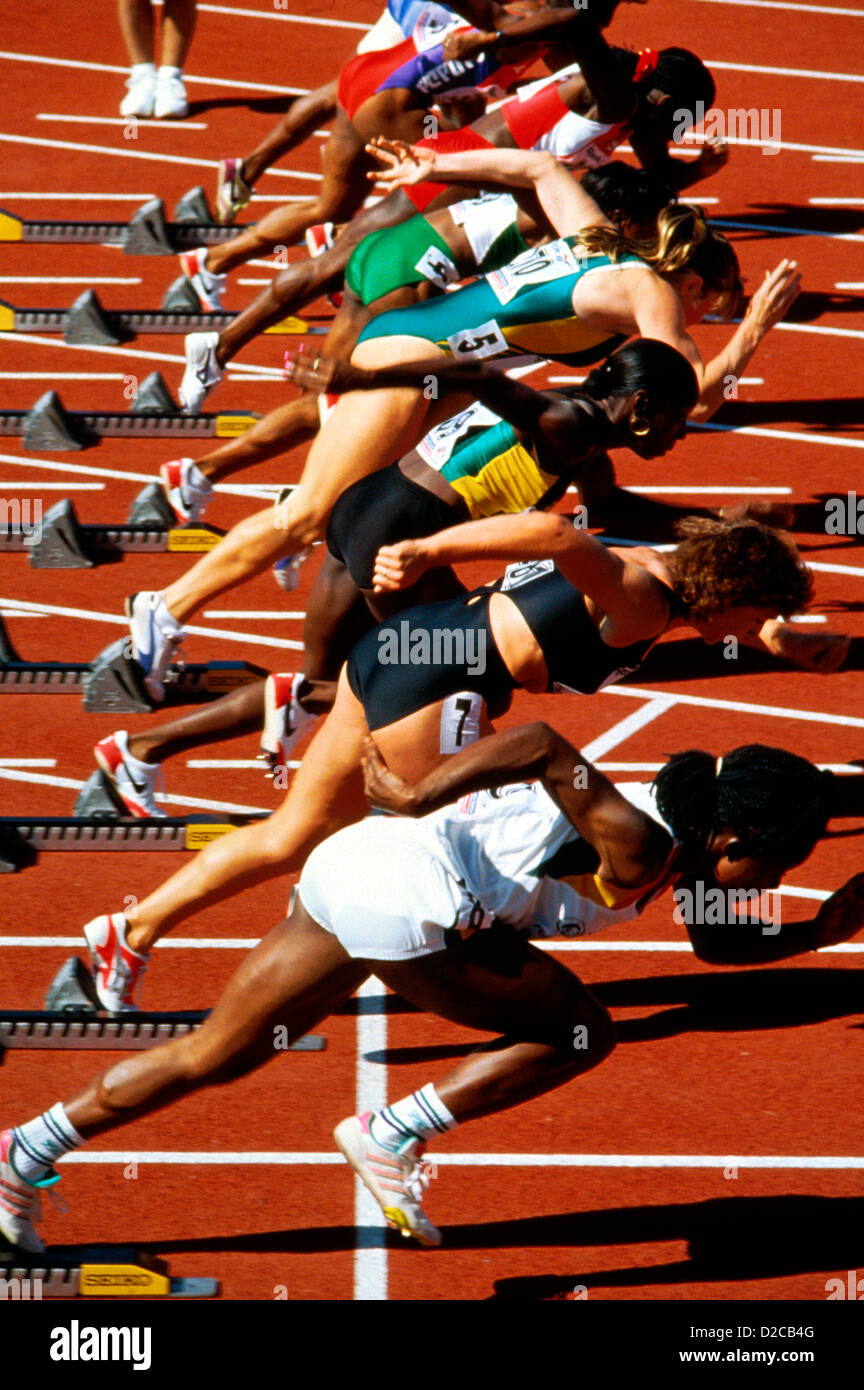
<point>154,414</point>
<point>73,1018</point>
<point>88,323</point>
<point>60,542</point>
<point>115,681</point>
<point>148,233</point>
<point>95,1271</point>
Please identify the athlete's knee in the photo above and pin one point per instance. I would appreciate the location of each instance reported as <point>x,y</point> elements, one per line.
<point>302,518</point>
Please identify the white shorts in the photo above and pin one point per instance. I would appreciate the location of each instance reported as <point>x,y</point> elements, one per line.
<point>383,893</point>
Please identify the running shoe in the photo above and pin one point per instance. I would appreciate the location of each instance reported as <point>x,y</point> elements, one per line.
<point>285,719</point>
<point>187,489</point>
<point>155,635</point>
<point>208,287</point>
<point>396,1180</point>
<point>117,969</point>
<point>19,1200</point>
<point>202,370</point>
<point>319,238</point>
<point>327,403</point>
<point>170,99</point>
<point>134,786</point>
<point>286,572</point>
<point>141,91</point>
<point>232,192</point>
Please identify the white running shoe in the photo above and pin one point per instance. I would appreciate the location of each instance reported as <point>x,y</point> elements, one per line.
<point>396,1180</point>
<point>170,101</point>
<point>232,191</point>
<point>208,287</point>
<point>117,969</point>
<point>285,719</point>
<point>286,572</point>
<point>19,1200</point>
<point>155,635</point>
<point>202,371</point>
<point>188,490</point>
<point>135,787</point>
<point>141,91</point>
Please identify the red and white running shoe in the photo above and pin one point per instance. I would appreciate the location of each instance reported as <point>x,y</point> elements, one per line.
<point>135,784</point>
<point>19,1200</point>
<point>285,719</point>
<point>208,287</point>
<point>117,969</point>
<point>188,490</point>
<point>396,1180</point>
<point>319,238</point>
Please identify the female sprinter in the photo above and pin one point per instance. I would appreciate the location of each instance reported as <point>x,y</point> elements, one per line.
<point>405,265</point>
<point>580,115</point>
<point>576,625</point>
<point>440,910</point>
<point>574,301</point>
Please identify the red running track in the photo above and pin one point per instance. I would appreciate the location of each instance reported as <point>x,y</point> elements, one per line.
<point>624,1183</point>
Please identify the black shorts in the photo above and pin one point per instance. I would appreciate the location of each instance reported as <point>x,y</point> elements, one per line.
<point>426,654</point>
<point>379,510</point>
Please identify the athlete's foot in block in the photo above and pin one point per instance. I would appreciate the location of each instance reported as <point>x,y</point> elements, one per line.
<point>187,489</point>
<point>117,967</point>
<point>232,191</point>
<point>396,1180</point>
<point>208,286</point>
<point>133,780</point>
<point>203,370</point>
<point>156,634</point>
<point>285,719</point>
<point>19,1200</point>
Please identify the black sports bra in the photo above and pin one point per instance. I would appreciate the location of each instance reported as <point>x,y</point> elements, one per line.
<point>576,656</point>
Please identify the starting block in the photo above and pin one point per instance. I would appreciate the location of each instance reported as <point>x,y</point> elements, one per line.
<point>73,1018</point>
<point>148,233</point>
<point>61,542</point>
<point>95,1271</point>
<point>88,323</point>
<point>115,682</point>
<point>23,838</point>
<point>50,426</point>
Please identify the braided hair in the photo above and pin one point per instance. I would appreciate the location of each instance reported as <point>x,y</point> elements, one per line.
<point>777,803</point>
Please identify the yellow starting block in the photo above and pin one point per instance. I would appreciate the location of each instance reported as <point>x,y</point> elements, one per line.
<point>93,1272</point>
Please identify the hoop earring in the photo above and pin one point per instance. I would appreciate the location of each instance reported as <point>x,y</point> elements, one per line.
<point>640,431</point>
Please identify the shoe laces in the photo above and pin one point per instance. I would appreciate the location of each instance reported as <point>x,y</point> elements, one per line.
<point>172,656</point>
<point>418,1178</point>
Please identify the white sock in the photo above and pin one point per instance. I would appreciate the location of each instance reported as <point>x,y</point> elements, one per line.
<point>139,69</point>
<point>142,769</point>
<point>40,1142</point>
<point>419,1116</point>
<point>170,72</point>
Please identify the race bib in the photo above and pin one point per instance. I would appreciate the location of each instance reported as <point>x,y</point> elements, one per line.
<point>524,572</point>
<point>486,340</point>
<point>434,265</point>
<point>460,720</point>
<point>535,267</point>
<point>436,447</point>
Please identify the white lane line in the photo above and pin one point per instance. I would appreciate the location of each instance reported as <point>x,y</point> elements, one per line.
<point>124,121</point>
<point>370,1251</point>
<point>277,1158</point>
<point>42,779</point>
<point>124,72</point>
<point>28,762</point>
<point>82,197</point>
<point>62,376</point>
<point>90,616</point>
<point>244,943</point>
<point>783,5</point>
<point>846,768</point>
<point>825,332</point>
<point>849,285</point>
<point>244,764</point>
<point>291,18</point>
<point>837,159</point>
<point>260,615</point>
<point>708,491</point>
<point>797,435</point>
<point>70,280</point>
<point>265,492</point>
<point>735,706</point>
<point>786,72</point>
<point>837,202</point>
<point>36,485</point>
<point>626,727</point>
<point>833,569</point>
<point>39,341</point>
<point>141,154</point>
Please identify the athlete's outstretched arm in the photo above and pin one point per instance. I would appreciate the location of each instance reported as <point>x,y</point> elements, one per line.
<point>839,919</point>
<point>632,847</point>
<point>564,201</point>
<point>529,410</point>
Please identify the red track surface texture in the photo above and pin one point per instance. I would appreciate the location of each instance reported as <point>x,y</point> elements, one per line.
<point>718,1154</point>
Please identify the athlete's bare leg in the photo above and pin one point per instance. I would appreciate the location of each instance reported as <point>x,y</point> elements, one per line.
<point>298,124</point>
<point>239,712</point>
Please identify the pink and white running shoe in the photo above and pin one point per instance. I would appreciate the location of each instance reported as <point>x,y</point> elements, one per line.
<point>19,1200</point>
<point>396,1180</point>
<point>187,489</point>
<point>319,238</point>
<point>117,969</point>
<point>285,719</point>
<point>208,287</point>
<point>134,784</point>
